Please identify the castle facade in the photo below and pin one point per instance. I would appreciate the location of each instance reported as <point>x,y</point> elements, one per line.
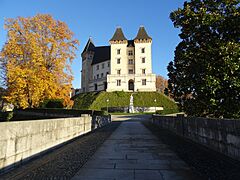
<point>124,65</point>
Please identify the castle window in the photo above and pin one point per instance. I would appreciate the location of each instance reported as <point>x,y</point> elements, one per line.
<point>130,71</point>
<point>144,82</point>
<point>118,51</point>
<point>97,76</point>
<point>103,66</point>
<point>119,71</point>
<point>143,71</point>
<point>119,82</point>
<point>130,61</point>
<point>143,50</point>
<point>101,74</point>
<point>143,60</point>
<point>95,87</point>
<point>118,61</point>
<point>130,52</point>
<point>97,67</point>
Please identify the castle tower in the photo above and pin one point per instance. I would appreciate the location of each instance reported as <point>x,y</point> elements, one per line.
<point>118,52</point>
<point>119,63</point>
<point>143,54</point>
<point>144,79</point>
<point>87,58</point>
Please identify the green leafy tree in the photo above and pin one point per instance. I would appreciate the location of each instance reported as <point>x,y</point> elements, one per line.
<point>205,74</point>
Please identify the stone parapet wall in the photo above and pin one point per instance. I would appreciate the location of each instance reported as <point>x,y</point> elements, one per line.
<point>22,140</point>
<point>60,113</point>
<point>222,135</point>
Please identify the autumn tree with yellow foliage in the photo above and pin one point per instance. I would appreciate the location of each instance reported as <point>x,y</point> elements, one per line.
<point>36,59</point>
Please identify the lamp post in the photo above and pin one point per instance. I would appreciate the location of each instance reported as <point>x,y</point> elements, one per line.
<point>155,105</point>
<point>107,104</point>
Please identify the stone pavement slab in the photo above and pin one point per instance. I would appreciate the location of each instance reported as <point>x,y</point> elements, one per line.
<point>133,152</point>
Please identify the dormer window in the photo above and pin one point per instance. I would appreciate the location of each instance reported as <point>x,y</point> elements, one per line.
<point>143,50</point>
<point>118,51</point>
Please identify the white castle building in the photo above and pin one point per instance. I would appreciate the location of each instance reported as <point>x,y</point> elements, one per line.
<point>125,65</point>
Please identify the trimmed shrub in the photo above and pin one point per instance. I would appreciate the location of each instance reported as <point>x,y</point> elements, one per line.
<point>52,103</point>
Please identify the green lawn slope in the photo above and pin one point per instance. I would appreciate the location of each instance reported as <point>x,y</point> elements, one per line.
<point>96,101</point>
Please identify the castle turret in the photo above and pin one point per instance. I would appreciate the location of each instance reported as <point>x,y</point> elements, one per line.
<point>142,35</point>
<point>118,52</point>
<point>118,36</point>
<point>143,54</point>
<point>87,57</point>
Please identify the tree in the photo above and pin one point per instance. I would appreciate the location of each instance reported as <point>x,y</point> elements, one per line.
<point>2,93</point>
<point>36,60</point>
<point>161,83</point>
<point>205,74</point>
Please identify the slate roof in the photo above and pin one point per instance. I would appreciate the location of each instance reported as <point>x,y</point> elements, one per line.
<point>89,46</point>
<point>142,34</point>
<point>118,35</point>
<point>101,54</point>
<point>130,43</point>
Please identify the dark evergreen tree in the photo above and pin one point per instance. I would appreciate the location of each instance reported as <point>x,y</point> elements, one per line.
<point>205,74</point>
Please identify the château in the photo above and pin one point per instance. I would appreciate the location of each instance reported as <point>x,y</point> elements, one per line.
<point>124,65</point>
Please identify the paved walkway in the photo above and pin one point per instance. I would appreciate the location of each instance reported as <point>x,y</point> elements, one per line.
<point>132,152</point>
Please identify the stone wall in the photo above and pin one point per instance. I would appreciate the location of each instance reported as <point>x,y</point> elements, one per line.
<point>22,140</point>
<point>222,135</point>
<point>60,113</point>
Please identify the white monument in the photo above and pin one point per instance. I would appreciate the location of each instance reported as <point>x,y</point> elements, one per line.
<point>131,108</point>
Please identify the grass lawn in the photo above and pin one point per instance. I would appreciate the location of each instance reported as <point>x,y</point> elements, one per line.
<point>98,100</point>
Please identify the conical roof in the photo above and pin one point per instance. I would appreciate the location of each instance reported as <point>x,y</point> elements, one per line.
<point>118,35</point>
<point>142,34</point>
<point>89,46</point>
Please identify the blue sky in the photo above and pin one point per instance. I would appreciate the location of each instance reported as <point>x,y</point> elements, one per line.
<point>99,18</point>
